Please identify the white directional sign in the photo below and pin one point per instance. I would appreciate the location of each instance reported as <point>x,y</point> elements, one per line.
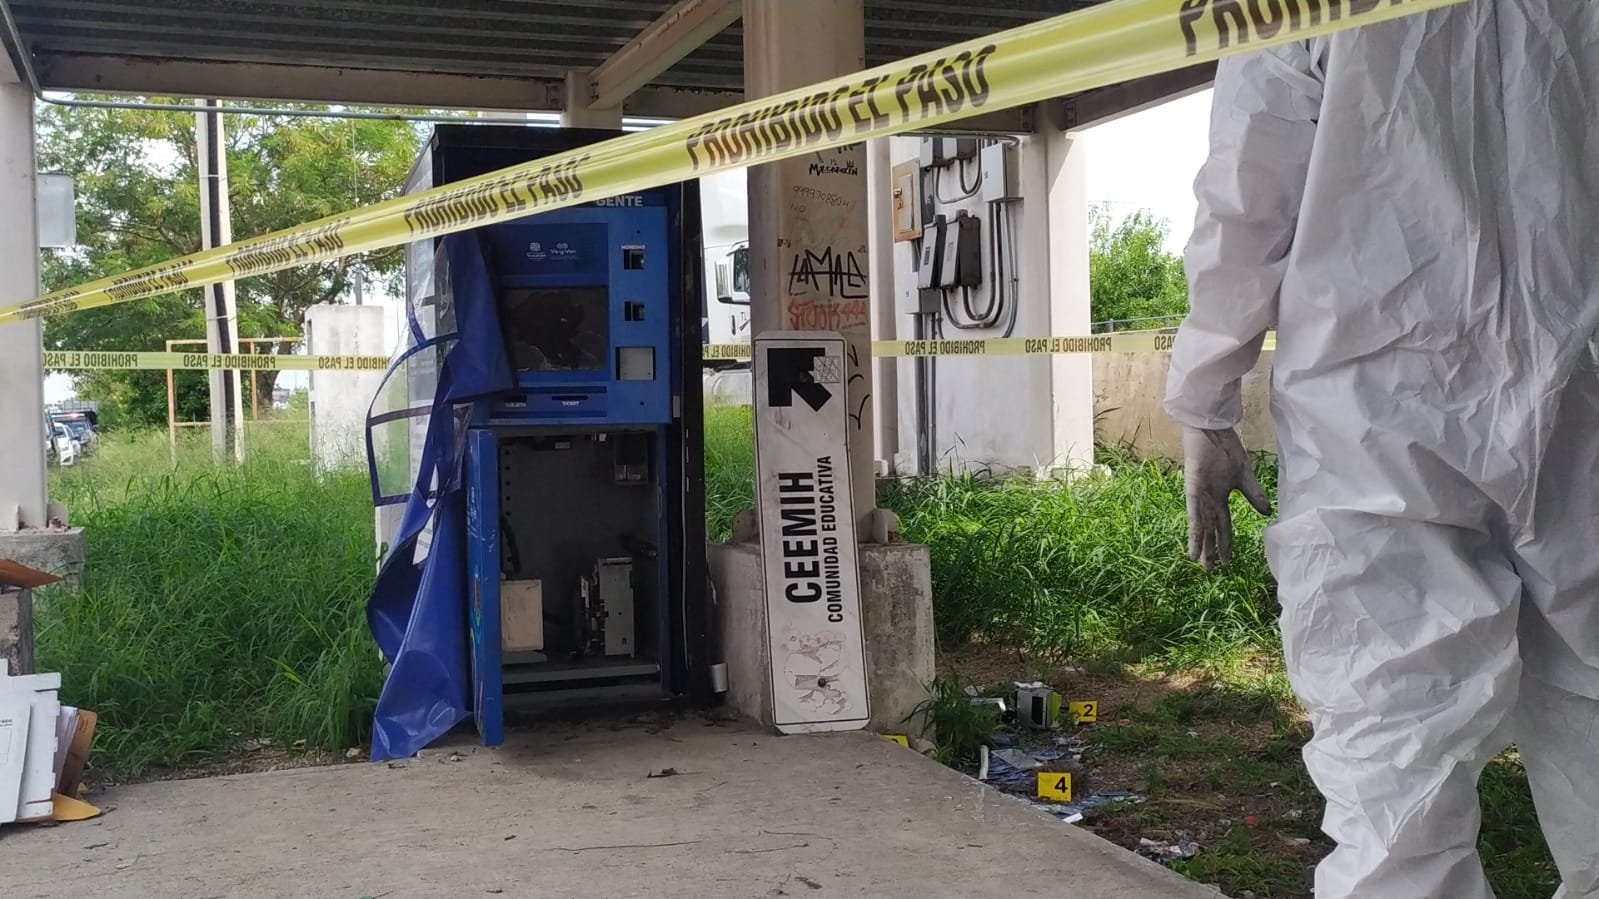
<point>813,605</point>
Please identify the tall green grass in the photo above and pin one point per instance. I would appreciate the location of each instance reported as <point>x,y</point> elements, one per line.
<point>220,604</point>
<point>223,604</point>
<point>729,467</point>
<point>1091,565</point>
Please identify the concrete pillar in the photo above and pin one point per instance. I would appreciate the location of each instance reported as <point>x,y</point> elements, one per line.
<point>1036,245</point>
<point>809,260</point>
<point>576,112</point>
<point>810,269</point>
<point>27,534</point>
<point>22,436</point>
<point>1070,313</point>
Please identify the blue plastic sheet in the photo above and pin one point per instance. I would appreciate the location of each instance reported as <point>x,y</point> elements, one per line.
<point>418,608</point>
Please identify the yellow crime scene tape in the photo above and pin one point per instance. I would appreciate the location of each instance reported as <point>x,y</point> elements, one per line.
<point>66,360</point>
<point>1145,342</point>
<point>1108,44</point>
<point>74,360</point>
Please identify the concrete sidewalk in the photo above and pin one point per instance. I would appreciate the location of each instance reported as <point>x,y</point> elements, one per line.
<point>571,811</point>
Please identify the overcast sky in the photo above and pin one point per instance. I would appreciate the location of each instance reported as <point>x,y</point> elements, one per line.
<point>1145,161</point>
<point>1149,161</point>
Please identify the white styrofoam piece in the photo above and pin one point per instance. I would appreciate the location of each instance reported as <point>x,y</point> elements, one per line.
<point>66,729</point>
<point>38,769</point>
<point>30,683</point>
<point>30,712</point>
<point>14,712</point>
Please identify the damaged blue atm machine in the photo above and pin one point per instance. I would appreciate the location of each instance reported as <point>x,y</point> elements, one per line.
<point>536,456</point>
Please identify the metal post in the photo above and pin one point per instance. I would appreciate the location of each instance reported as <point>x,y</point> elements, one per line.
<point>172,412</point>
<point>221,311</point>
<point>885,314</point>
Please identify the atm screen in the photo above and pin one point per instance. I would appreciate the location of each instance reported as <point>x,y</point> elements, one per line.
<point>557,328</point>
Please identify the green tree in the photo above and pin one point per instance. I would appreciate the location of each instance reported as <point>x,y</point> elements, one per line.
<point>1131,275</point>
<point>138,204</point>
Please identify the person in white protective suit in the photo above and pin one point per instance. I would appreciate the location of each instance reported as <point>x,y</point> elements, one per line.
<point>1415,207</point>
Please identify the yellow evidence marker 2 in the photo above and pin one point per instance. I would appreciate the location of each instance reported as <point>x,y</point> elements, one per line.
<point>1086,712</point>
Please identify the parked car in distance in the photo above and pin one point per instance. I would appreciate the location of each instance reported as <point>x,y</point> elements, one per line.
<point>66,448</point>
<point>81,429</point>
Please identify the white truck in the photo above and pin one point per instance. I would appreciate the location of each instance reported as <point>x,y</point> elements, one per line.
<point>724,216</point>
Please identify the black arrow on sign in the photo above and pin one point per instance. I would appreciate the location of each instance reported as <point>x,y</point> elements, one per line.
<point>788,371</point>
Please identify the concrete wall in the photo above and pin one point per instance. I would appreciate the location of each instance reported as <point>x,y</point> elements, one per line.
<point>1129,389</point>
<point>340,399</point>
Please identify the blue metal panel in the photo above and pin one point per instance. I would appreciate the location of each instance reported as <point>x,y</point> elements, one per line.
<point>483,571</point>
<point>621,246</point>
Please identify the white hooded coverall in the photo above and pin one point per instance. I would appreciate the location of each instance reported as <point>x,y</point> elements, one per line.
<point>1415,207</point>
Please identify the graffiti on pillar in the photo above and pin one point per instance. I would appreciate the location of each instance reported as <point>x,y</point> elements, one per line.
<point>838,275</point>
<point>826,315</point>
<point>834,166</point>
<point>822,254</point>
<point>857,414</point>
<point>819,197</point>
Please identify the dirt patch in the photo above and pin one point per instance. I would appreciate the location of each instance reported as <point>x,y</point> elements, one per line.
<point>243,762</point>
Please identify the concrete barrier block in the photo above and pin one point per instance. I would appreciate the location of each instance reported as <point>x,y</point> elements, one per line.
<point>58,551</point>
<point>897,601</point>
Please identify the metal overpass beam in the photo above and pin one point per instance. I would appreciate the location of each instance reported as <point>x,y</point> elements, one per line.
<point>677,33</point>
<point>1107,104</point>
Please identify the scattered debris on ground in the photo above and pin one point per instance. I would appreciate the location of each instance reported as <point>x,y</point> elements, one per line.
<point>44,748</point>
<point>1202,775</point>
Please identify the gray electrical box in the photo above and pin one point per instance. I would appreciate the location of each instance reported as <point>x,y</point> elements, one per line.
<point>932,255</point>
<point>969,251</point>
<point>949,256</point>
<point>1001,181</point>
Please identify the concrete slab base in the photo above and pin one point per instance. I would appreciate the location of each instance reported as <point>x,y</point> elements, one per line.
<point>897,616</point>
<point>58,551</point>
<point>16,631</point>
<point>574,812</point>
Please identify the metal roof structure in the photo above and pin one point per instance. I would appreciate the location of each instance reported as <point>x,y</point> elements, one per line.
<point>477,54</point>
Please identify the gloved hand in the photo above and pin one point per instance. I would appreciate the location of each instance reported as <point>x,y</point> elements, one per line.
<point>1214,465</point>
